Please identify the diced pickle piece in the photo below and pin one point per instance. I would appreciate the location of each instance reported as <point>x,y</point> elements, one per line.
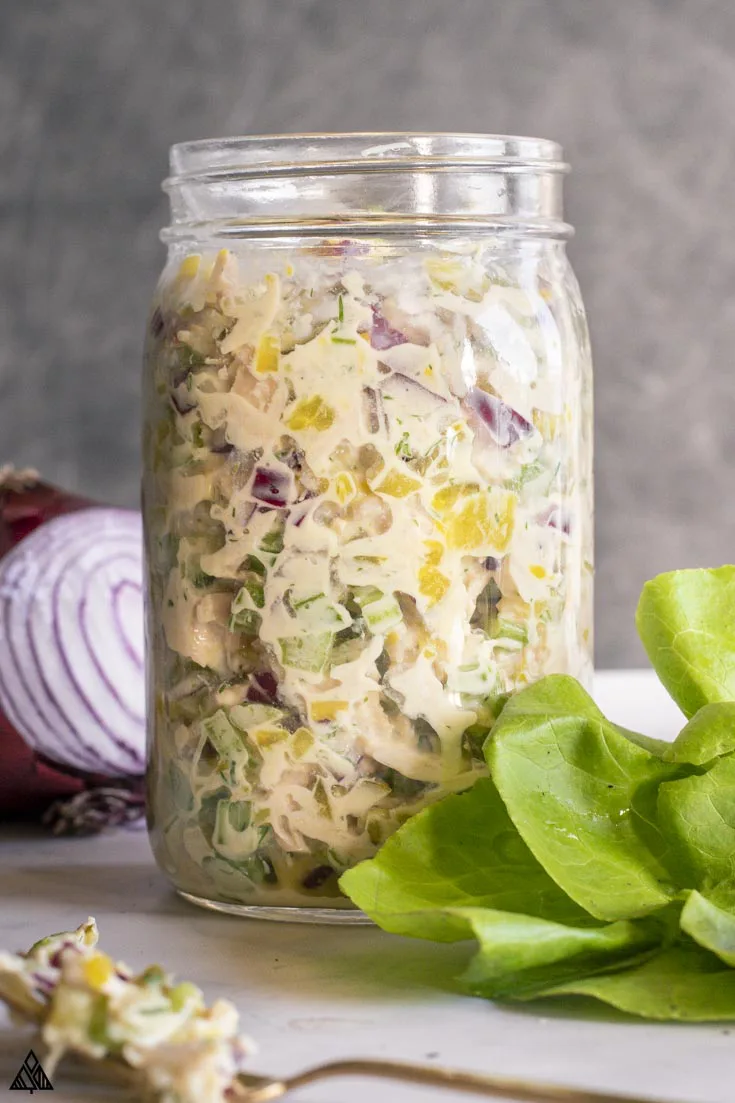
<point>309,652</point>
<point>311,413</point>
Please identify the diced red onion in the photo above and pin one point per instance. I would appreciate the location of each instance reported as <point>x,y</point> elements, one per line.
<point>382,333</point>
<point>263,688</point>
<point>183,400</point>
<point>556,517</point>
<point>502,422</point>
<point>373,408</point>
<point>419,399</point>
<point>298,513</point>
<point>274,488</point>
<point>157,324</point>
<point>71,679</point>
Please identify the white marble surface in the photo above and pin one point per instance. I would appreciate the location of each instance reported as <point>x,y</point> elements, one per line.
<point>310,994</point>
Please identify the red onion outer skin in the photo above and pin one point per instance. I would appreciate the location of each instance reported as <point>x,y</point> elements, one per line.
<point>29,782</point>
<point>22,511</point>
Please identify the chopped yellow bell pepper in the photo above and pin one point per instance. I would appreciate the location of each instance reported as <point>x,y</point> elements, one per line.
<point>433,584</point>
<point>482,521</point>
<point>398,485</point>
<point>268,354</point>
<point>98,969</point>
<point>311,413</point>
<point>326,710</point>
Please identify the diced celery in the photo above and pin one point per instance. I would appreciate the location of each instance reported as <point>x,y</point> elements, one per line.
<point>251,595</point>
<point>252,563</point>
<point>239,814</point>
<point>253,715</point>
<point>308,652</point>
<point>232,815</point>
<point>184,993</point>
<point>305,602</point>
<point>317,611</point>
<point>473,680</point>
<point>224,737</point>
<point>527,473</point>
<point>508,630</point>
<point>272,543</point>
<point>322,800</point>
<point>248,621</point>
<point>98,1022</point>
<point>381,611</point>
<point>180,788</point>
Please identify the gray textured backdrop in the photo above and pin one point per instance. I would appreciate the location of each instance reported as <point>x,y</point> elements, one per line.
<point>640,92</point>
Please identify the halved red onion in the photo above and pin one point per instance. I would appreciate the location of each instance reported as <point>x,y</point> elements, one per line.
<point>501,421</point>
<point>71,679</point>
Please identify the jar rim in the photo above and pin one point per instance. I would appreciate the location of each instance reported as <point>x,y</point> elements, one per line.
<point>263,155</point>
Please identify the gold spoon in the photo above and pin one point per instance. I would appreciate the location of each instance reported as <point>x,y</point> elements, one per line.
<point>262,1089</point>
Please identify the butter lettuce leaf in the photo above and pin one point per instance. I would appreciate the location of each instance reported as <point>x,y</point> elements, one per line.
<point>697,813</point>
<point>522,957</point>
<point>709,918</point>
<point>583,798</point>
<point>461,852</point>
<point>684,983</point>
<point>709,734</point>
<point>686,622</point>
<point>459,870</point>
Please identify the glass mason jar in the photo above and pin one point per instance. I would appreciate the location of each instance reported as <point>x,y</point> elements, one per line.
<point>367,493</point>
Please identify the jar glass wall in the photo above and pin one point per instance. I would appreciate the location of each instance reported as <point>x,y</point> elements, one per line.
<point>367,493</point>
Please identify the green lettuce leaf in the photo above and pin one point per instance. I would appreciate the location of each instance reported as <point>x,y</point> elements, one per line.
<point>460,870</point>
<point>697,814</point>
<point>709,734</point>
<point>710,920</point>
<point>462,852</point>
<point>521,957</point>
<point>682,983</point>
<point>686,621</point>
<point>583,798</point>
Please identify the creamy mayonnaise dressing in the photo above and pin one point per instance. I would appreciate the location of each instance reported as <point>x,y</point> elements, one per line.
<point>368,522</point>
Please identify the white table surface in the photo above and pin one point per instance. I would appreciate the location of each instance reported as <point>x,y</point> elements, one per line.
<point>310,994</point>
